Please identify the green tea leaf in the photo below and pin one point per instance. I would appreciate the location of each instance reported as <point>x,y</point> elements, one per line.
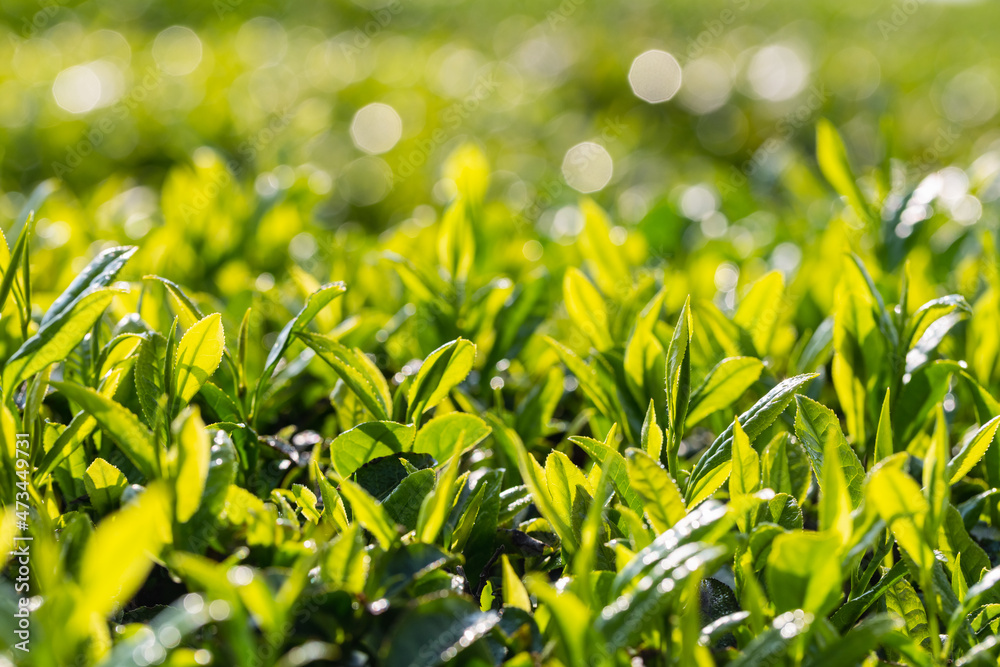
<point>972,451</point>
<point>759,310</point>
<point>534,477</point>
<point>678,374</point>
<point>442,436</point>
<point>723,386</point>
<point>803,572</point>
<point>436,506</point>
<point>607,457</point>
<point>404,503</point>
<point>435,631</point>
<point>24,228</point>
<point>857,644</point>
<point>357,371</point>
<point>851,611</point>
<point>334,511</point>
<point>184,307</point>
<point>368,441</point>
<point>514,592</point>
<point>193,456</point>
<point>305,499</point>
<point>903,603</point>
<point>586,308</point>
<point>442,371</point>
<point>58,337</point>
<point>568,488</point>
<point>100,272</point>
<point>130,538</point>
<point>149,384</point>
<point>745,477</point>
<point>815,425</point>
<point>199,353</point>
<point>369,513</point>
<point>835,502</point>
<point>132,437</point>
<point>898,501</point>
<point>832,158</point>
<point>663,503</point>
<point>776,472</point>
<point>651,436</point>
<point>710,470</point>
<point>884,447</point>
<point>105,485</point>
<point>585,375</point>
<point>315,303</point>
<point>603,258</point>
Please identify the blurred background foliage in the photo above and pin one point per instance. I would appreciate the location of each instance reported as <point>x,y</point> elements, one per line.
<point>256,149</point>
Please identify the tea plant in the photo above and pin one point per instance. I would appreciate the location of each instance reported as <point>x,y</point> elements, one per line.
<point>481,459</point>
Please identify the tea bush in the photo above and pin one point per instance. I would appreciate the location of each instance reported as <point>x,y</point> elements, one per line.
<point>480,446</point>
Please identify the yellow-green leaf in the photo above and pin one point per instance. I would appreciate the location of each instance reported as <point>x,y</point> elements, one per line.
<point>722,387</point>
<point>58,337</point>
<point>833,162</point>
<point>129,433</point>
<point>369,513</point>
<point>651,437</point>
<point>356,370</point>
<point>898,501</point>
<point>535,479</point>
<point>815,425</point>
<point>745,477</point>
<point>437,504</point>
<point>664,504</point>
<point>105,485</point>
<point>514,592</point>
<point>118,556</point>
<point>586,308</point>
<point>193,456</point>
<point>450,434</point>
<point>883,436</point>
<point>835,502</point>
<point>199,353</point>
<point>973,451</point>
<point>803,571</point>
<point>333,505</point>
<point>759,310</point>
<point>441,372</point>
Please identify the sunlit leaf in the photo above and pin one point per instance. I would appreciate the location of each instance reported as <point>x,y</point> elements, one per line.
<point>723,386</point>
<point>440,372</point>
<point>709,473</point>
<point>132,437</point>
<point>193,456</point>
<point>129,538</point>
<point>199,353</point>
<point>663,502</point>
<point>58,337</point>
<point>105,485</point>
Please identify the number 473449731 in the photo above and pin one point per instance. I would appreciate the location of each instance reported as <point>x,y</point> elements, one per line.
<point>23,449</point>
